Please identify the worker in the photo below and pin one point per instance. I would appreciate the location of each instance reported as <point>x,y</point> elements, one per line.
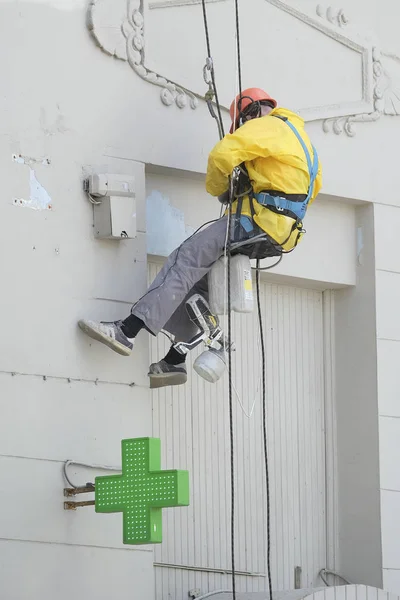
<point>280,176</point>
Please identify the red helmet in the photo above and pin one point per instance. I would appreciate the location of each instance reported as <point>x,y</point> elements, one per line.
<point>243,100</point>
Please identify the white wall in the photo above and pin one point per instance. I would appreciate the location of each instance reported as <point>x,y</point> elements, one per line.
<point>360,548</point>
<point>387,219</point>
<point>62,397</point>
<point>193,424</point>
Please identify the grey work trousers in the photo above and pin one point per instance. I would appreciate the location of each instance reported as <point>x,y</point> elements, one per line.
<point>183,274</point>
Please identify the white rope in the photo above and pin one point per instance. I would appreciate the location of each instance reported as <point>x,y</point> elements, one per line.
<point>248,416</point>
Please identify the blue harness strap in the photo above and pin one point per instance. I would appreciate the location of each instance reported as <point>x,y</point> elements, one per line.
<point>280,203</point>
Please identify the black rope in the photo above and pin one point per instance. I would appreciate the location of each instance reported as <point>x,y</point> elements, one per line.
<point>231,430</point>
<point>206,28</point>
<point>219,120</point>
<point>210,66</point>
<point>265,435</point>
<point>238,47</point>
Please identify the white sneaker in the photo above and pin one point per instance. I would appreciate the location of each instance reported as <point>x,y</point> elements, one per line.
<point>109,334</point>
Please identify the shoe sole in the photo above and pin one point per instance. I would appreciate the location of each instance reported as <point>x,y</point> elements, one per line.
<point>104,339</point>
<point>166,379</point>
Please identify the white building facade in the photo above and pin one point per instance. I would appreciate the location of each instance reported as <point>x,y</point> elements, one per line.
<point>116,86</point>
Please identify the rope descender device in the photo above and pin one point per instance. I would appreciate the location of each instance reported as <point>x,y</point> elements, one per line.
<point>207,75</point>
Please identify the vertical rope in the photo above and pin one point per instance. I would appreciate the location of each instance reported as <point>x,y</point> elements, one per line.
<point>230,330</point>
<point>265,434</point>
<point>228,251</point>
<point>206,28</point>
<point>229,307</point>
<point>231,428</point>
<point>239,58</point>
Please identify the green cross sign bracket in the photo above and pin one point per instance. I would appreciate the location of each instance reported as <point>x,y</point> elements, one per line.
<point>142,491</point>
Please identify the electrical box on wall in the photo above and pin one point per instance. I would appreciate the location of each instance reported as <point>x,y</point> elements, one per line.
<point>114,201</point>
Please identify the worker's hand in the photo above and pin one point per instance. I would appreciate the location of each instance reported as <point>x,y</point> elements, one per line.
<point>224,198</point>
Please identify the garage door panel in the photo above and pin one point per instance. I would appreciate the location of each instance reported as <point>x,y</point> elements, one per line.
<point>193,424</point>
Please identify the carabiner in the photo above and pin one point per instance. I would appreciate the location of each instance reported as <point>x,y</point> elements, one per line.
<point>207,70</point>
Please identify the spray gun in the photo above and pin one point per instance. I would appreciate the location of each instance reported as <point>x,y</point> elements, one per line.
<point>211,363</point>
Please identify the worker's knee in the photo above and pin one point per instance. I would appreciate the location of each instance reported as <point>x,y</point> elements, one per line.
<point>204,248</point>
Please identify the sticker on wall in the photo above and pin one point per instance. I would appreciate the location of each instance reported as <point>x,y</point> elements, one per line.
<point>29,160</point>
<point>39,198</point>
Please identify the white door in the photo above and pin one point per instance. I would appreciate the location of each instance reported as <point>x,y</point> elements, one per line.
<point>193,424</point>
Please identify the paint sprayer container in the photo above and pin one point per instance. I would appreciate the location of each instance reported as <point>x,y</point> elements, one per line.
<point>210,365</point>
<point>242,298</point>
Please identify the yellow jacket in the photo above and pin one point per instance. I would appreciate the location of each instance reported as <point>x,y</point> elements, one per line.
<point>275,160</point>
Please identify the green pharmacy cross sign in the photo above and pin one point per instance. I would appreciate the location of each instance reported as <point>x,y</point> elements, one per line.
<point>142,491</point>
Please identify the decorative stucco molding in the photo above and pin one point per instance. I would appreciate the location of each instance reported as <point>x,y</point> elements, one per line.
<point>124,39</point>
<point>336,17</point>
<point>118,28</point>
<point>386,99</point>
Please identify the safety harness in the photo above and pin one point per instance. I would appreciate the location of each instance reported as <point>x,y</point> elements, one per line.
<point>283,204</point>
<point>250,238</point>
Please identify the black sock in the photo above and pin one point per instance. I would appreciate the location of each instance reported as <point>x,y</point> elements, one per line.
<point>131,326</point>
<point>174,357</point>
